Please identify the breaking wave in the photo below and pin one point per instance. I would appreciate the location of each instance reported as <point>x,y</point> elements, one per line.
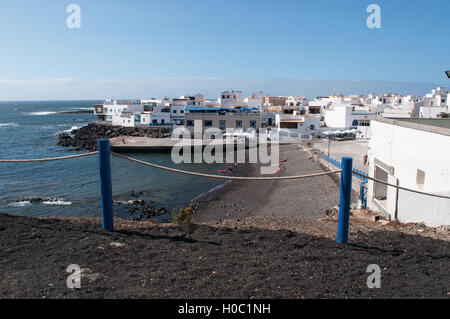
<point>41,113</point>
<point>20,204</point>
<point>57,202</point>
<point>8,124</point>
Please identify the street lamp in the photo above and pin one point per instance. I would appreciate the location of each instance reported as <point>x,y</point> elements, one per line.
<point>448,73</point>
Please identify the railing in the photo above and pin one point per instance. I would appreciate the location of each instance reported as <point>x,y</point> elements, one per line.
<point>355,172</point>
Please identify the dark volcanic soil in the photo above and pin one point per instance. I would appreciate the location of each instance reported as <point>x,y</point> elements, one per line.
<point>199,261</point>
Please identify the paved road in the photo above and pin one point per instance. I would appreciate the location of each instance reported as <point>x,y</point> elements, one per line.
<point>339,149</point>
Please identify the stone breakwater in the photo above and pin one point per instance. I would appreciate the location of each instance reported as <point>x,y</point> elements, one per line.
<point>86,137</point>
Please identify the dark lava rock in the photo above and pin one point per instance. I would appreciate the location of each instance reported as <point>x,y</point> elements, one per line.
<point>86,137</point>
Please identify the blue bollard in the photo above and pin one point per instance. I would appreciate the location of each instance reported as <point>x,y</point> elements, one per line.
<point>345,200</point>
<point>105,184</point>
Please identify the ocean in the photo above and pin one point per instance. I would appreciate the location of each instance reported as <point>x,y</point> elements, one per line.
<point>30,130</point>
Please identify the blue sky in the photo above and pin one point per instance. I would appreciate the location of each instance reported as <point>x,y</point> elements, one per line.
<point>142,48</point>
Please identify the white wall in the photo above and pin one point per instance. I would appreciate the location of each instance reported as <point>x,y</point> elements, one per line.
<point>342,116</point>
<point>432,112</point>
<point>406,150</point>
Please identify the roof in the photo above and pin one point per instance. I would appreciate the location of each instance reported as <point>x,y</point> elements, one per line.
<point>438,126</point>
<point>202,108</point>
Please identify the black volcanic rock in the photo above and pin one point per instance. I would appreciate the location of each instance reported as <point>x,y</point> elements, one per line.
<point>86,137</point>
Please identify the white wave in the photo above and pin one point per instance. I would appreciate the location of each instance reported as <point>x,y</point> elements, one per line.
<point>8,124</point>
<point>41,113</point>
<point>71,129</point>
<point>57,202</point>
<point>83,108</point>
<point>20,204</point>
<point>68,130</point>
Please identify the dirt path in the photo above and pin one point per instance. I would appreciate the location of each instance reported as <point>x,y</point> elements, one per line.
<point>143,260</point>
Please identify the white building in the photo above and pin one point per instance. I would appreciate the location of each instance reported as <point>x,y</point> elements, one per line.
<point>414,154</point>
<point>344,116</point>
<point>231,99</point>
<point>432,112</point>
<point>256,100</point>
<point>435,103</point>
<point>294,126</point>
<point>111,111</point>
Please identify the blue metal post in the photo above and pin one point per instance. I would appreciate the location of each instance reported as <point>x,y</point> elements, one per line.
<point>105,184</point>
<point>362,195</point>
<point>345,200</point>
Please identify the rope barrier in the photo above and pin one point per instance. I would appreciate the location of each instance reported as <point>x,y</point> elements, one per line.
<point>402,188</point>
<point>225,177</point>
<point>48,159</point>
<point>219,176</point>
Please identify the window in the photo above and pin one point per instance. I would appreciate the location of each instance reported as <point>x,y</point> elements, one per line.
<point>162,121</point>
<point>222,124</point>
<point>355,123</point>
<point>174,111</point>
<point>207,123</point>
<point>312,127</point>
<point>189,123</point>
<point>238,124</point>
<point>182,111</point>
<point>253,124</point>
<point>420,178</point>
<point>155,121</point>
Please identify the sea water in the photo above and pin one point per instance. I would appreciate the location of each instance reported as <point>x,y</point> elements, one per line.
<point>71,187</point>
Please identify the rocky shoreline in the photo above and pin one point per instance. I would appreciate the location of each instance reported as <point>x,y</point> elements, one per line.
<point>86,137</point>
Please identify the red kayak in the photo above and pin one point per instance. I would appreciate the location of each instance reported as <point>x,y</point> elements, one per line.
<point>223,171</point>
<point>283,160</point>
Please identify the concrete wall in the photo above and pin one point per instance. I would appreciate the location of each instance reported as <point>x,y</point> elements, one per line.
<point>402,151</point>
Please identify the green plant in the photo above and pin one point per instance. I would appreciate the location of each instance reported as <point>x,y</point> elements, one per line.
<point>184,216</point>
<point>444,115</point>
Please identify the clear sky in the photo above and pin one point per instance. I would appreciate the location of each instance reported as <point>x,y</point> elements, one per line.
<point>141,48</point>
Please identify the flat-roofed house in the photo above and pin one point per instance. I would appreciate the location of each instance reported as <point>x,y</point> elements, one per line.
<point>415,154</point>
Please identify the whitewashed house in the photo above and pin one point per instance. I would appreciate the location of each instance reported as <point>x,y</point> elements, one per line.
<point>345,116</point>
<point>295,126</point>
<point>411,153</point>
<point>435,103</point>
<point>231,99</point>
<point>403,107</point>
<point>256,100</point>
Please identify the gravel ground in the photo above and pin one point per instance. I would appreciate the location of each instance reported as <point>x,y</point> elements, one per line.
<point>144,260</point>
<point>301,198</point>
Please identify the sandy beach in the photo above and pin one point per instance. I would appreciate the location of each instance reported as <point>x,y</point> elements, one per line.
<point>302,198</point>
